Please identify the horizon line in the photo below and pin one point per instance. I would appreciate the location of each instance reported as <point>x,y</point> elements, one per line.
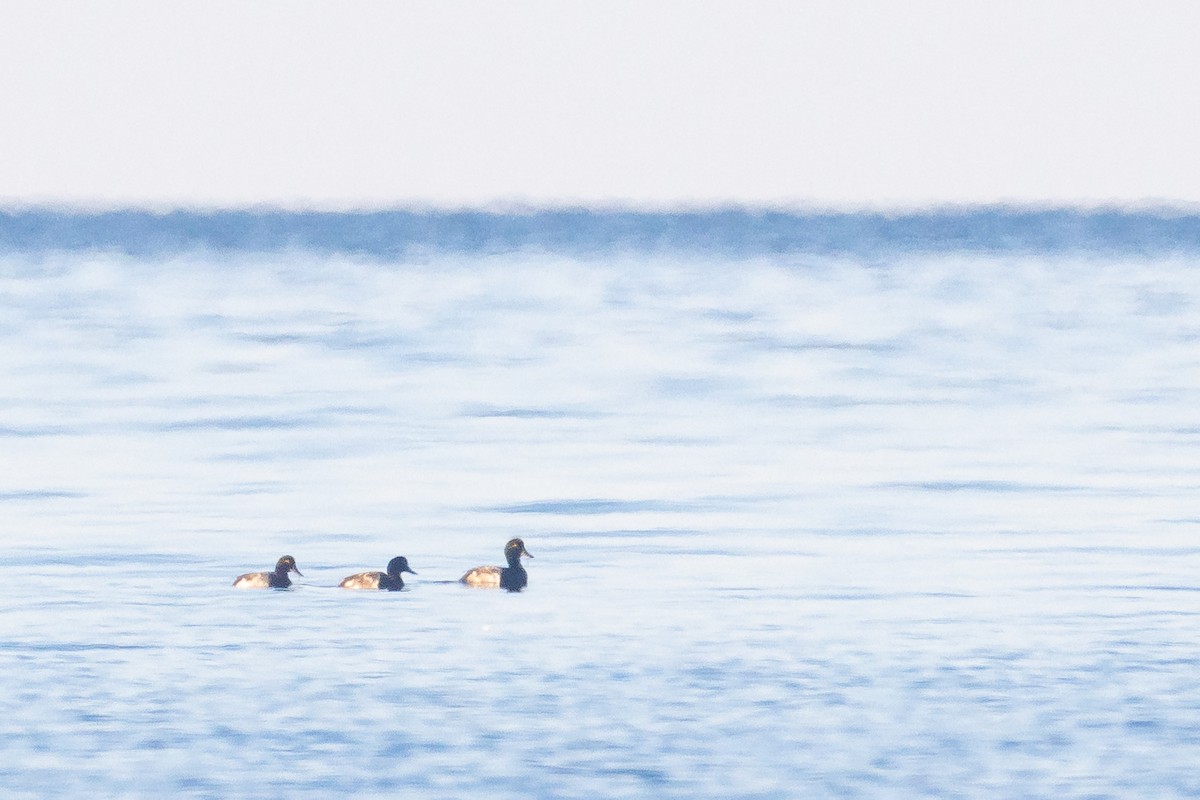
<point>529,208</point>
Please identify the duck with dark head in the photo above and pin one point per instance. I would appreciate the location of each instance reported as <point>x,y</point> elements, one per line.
<point>513,577</point>
<point>386,581</point>
<point>270,580</point>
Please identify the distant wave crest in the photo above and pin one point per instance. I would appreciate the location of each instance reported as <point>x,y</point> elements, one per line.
<point>733,232</point>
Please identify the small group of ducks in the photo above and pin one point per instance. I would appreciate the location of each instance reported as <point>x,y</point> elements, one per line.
<point>513,577</point>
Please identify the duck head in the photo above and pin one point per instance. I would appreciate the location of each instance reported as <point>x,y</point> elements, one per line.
<point>514,550</point>
<point>287,564</point>
<point>397,565</point>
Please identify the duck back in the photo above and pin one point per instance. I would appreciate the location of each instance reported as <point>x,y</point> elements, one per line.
<point>362,580</point>
<point>483,577</point>
<point>262,580</point>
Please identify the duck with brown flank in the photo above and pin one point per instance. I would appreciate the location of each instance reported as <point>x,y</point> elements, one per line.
<point>270,580</point>
<point>513,577</point>
<point>386,581</point>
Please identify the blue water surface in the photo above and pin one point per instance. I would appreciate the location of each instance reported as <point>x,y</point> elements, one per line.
<point>889,520</point>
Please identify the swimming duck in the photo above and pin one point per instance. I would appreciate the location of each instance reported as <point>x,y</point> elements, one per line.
<point>269,580</point>
<point>389,581</point>
<point>513,577</point>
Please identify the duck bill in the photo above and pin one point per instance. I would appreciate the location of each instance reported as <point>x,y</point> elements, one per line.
<point>297,571</point>
<point>409,571</point>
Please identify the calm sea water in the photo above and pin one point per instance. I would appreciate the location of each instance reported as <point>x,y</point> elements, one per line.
<point>902,525</point>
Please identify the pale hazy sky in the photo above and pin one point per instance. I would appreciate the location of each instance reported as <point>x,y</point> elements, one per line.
<point>381,102</point>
